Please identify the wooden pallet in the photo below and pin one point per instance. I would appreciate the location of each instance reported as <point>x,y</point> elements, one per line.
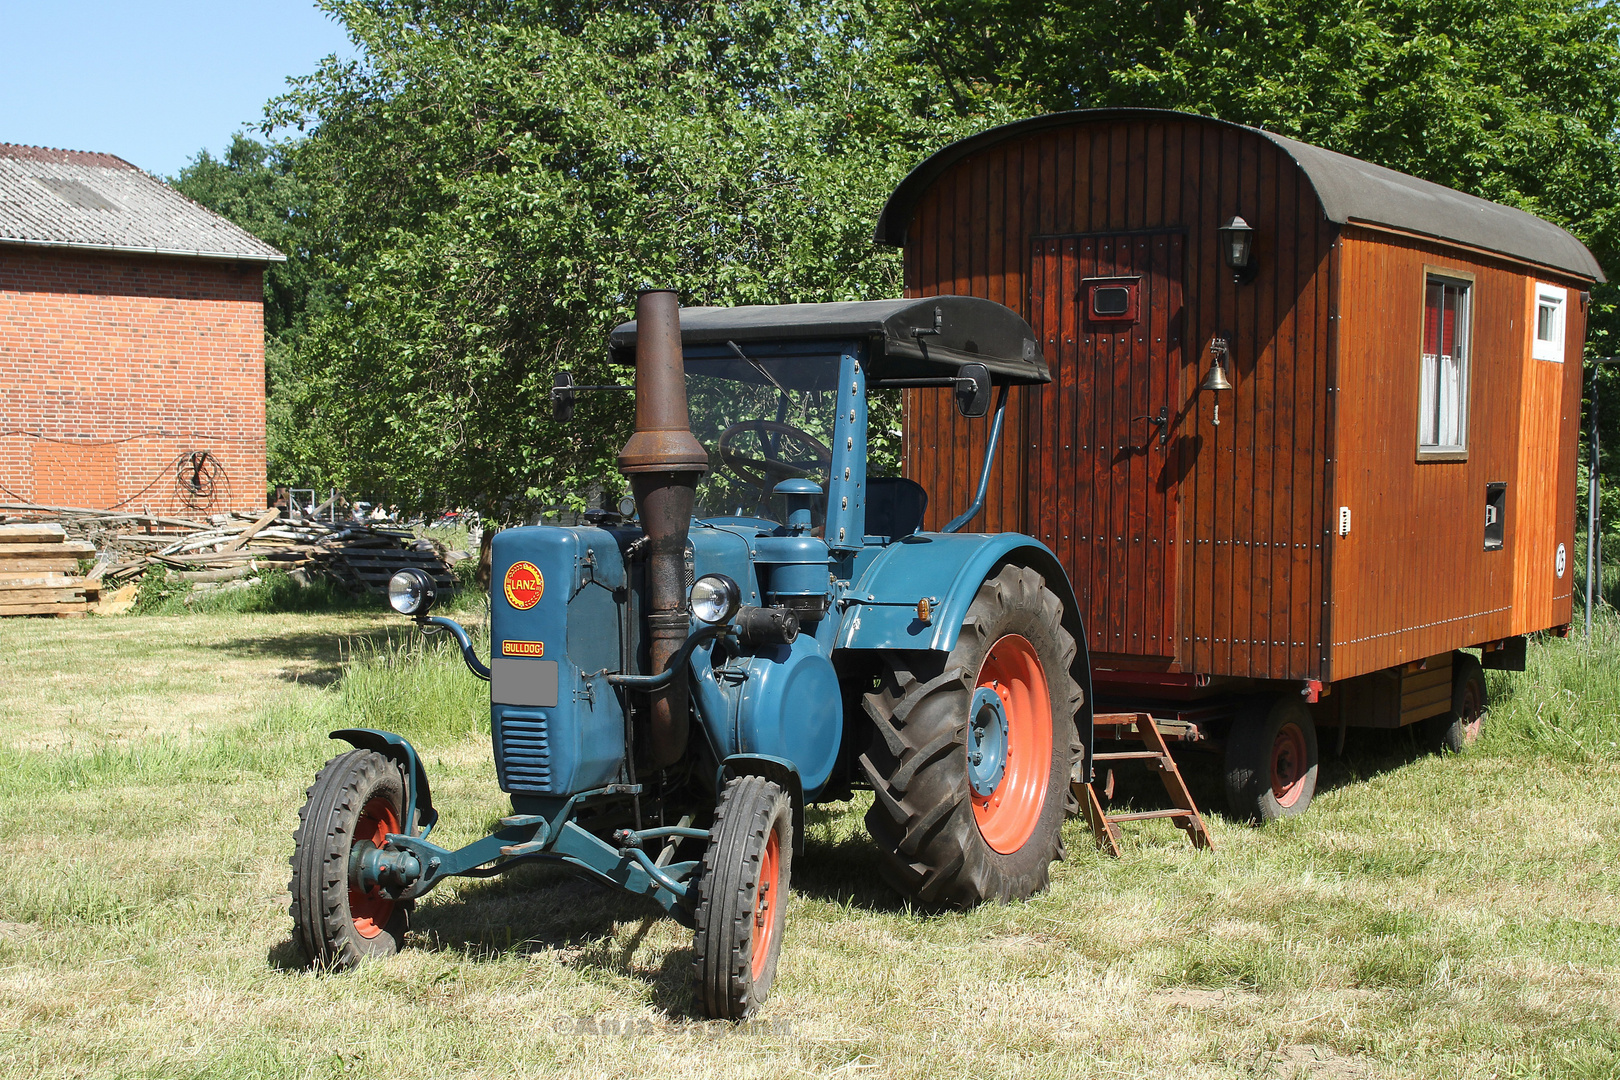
<point>37,572</point>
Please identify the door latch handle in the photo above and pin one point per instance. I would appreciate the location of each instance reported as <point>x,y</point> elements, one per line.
<point>1162,422</point>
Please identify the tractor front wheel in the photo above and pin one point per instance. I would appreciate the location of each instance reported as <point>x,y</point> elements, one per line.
<point>971,757</point>
<point>358,798</point>
<point>742,893</point>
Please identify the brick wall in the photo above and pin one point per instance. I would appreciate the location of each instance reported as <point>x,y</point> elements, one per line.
<point>114,370</point>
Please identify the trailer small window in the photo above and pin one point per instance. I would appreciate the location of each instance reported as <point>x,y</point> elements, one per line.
<point>1548,343</point>
<point>1443,372</point>
<point>1110,299</point>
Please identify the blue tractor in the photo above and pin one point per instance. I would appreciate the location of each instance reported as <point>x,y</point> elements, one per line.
<point>765,627</point>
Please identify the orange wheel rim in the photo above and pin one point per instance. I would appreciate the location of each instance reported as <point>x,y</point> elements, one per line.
<point>371,911</point>
<point>1288,765</point>
<point>1008,815</point>
<point>767,899</point>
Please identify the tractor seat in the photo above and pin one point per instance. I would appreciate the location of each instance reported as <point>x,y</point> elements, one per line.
<point>894,506</point>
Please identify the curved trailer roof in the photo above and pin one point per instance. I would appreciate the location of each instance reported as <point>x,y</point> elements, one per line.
<point>1350,191</point>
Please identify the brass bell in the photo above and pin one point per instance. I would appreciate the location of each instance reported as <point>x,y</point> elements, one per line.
<point>1216,378</point>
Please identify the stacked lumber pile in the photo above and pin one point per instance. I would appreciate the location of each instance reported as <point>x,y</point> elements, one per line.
<point>39,572</point>
<point>232,550</point>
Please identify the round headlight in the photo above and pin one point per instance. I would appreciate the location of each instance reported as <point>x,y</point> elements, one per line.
<point>411,592</point>
<point>715,598</point>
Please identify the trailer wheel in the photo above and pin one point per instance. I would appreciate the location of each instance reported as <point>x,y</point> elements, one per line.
<point>1271,760</point>
<point>357,798</point>
<point>1453,732</point>
<point>742,893</point>
<point>970,760</point>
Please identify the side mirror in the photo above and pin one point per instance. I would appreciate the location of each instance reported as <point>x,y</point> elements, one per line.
<point>972,390</point>
<point>562,397</point>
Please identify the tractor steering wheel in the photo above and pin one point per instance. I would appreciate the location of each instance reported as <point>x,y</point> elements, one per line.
<point>767,472</point>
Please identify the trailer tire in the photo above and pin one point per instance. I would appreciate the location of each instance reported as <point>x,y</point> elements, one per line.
<point>953,831</point>
<point>1454,731</point>
<point>742,888</point>
<point>358,796</point>
<point>1271,759</point>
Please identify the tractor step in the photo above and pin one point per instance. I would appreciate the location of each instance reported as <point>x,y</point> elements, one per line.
<point>518,820</point>
<point>1105,826</point>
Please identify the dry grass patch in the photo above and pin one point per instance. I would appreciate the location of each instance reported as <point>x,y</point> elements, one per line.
<point>1428,918</point>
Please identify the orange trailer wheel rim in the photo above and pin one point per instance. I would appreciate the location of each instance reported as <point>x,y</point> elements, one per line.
<point>371,911</point>
<point>1007,816</point>
<point>1288,765</point>
<point>765,903</point>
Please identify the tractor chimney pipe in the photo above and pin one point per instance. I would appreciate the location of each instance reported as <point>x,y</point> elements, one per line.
<point>663,462</point>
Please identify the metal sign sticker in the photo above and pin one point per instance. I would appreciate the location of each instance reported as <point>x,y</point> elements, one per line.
<point>523,648</point>
<point>524,586</point>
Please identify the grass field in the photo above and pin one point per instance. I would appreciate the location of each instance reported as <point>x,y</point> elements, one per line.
<point>1428,918</point>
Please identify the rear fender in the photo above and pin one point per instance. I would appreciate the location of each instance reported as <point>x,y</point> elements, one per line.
<point>947,569</point>
<point>778,770</point>
<point>419,812</point>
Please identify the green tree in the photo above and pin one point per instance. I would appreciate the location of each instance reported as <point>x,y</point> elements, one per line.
<point>499,178</point>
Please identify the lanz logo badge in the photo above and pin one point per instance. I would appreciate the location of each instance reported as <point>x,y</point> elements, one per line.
<point>524,585</point>
<point>523,648</point>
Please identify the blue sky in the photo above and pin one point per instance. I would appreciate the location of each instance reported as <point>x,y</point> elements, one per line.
<point>152,81</point>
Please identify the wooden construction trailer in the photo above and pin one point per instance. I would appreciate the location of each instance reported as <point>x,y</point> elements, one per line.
<point>1389,477</point>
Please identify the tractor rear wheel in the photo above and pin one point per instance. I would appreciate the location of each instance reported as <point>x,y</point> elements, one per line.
<point>357,798</point>
<point>742,893</point>
<point>1271,759</point>
<point>1453,732</point>
<point>971,757</point>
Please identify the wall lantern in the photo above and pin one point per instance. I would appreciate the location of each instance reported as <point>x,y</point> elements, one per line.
<point>1237,248</point>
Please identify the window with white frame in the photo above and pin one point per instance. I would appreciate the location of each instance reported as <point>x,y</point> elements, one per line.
<point>1547,342</point>
<point>1443,392</point>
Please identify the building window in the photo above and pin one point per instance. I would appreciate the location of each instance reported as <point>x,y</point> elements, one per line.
<point>1443,393</point>
<point>1548,342</point>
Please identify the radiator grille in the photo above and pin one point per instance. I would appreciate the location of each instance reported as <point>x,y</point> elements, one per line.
<point>525,752</point>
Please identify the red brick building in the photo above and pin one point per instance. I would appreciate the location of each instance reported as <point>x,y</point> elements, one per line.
<point>131,341</point>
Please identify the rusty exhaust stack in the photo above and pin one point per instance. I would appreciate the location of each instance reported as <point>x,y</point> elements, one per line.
<point>663,462</point>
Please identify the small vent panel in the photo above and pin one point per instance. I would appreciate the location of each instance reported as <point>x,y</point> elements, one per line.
<point>525,753</point>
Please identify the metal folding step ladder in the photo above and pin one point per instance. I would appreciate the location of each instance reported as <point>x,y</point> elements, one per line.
<point>1155,755</point>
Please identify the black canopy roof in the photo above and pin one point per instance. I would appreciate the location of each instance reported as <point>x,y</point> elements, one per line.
<point>970,330</point>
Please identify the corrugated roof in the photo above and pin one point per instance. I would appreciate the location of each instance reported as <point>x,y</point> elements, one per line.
<point>1349,189</point>
<point>98,202</point>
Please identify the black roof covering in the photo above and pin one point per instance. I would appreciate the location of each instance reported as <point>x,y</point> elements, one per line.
<point>971,330</point>
<point>1349,189</point>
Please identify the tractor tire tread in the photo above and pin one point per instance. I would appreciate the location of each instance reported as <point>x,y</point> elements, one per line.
<point>319,884</point>
<point>921,817</point>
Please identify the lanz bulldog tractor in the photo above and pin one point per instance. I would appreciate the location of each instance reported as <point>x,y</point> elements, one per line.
<point>672,685</point>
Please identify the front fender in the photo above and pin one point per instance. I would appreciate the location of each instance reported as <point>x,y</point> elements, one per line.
<point>948,568</point>
<point>419,812</point>
<point>781,771</point>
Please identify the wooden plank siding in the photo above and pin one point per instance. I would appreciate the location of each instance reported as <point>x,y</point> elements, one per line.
<point>1218,553</point>
<point>1243,512</point>
<point>1413,578</point>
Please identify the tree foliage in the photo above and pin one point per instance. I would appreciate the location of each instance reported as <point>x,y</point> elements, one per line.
<point>500,178</point>
<point>489,184</point>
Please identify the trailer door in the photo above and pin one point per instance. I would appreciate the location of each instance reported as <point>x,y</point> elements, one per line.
<point>1102,483</point>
